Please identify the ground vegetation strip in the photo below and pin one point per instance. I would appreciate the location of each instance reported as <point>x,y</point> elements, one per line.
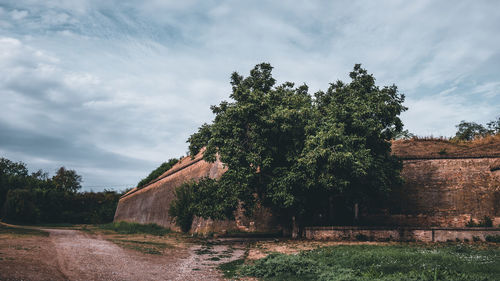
<point>447,261</point>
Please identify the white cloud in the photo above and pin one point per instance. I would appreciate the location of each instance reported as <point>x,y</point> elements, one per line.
<point>136,78</point>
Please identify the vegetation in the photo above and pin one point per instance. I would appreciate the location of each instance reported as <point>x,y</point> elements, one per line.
<point>36,198</point>
<point>181,207</point>
<point>21,231</point>
<point>467,131</point>
<point>307,158</point>
<point>146,247</point>
<point>370,262</point>
<point>158,172</point>
<point>123,227</point>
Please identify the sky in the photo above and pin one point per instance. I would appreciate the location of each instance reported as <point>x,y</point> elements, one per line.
<point>114,88</point>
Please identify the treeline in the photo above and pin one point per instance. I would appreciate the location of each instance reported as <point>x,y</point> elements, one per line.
<point>38,198</point>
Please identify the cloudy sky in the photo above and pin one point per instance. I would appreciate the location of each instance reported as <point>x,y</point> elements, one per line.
<point>114,88</point>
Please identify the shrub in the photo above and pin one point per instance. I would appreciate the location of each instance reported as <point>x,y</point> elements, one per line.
<point>181,207</point>
<point>493,238</point>
<point>486,221</point>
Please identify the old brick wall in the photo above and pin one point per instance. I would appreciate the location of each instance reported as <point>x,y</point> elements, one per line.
<point>434,234</point>
<point>444,192</point>
<point>151,203</point>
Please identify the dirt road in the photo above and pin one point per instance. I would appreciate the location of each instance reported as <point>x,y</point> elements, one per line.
<point>74,255</point>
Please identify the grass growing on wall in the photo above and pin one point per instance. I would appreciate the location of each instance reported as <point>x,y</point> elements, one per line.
<point>134,228</point>
<point>374,262</point>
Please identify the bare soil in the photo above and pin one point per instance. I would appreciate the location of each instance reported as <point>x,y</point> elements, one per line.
<point>68,254</point>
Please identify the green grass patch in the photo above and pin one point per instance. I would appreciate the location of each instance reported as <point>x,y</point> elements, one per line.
<point>372,262</point>
<point>229,269</point>
<point>135,228</point>
<point>22,231</point>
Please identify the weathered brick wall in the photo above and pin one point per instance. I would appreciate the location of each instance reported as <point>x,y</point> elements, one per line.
<point>399,234</point>
<point>437,192</point>
<point>151,203</point>
<point>445,192</point>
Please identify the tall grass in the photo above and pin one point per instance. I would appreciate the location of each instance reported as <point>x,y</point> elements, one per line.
<point>370,262</point>
<point>133,228</point>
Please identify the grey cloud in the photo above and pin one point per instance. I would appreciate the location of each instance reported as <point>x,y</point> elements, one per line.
<point>134,78</point>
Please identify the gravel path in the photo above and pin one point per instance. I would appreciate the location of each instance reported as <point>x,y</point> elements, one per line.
<point>85,257</point>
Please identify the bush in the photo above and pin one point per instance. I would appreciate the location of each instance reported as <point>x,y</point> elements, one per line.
<point>181,207</point>
<point>157,172</point>
<point>493,238</point>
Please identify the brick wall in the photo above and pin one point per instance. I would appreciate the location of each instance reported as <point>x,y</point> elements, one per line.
<point>444,192</point>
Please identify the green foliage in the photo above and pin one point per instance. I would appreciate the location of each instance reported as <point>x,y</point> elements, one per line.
<point>199,139</point>
<point>157,172</point>
<point>363,262</point>
<point>124,227</point>
<point>36,198</point>
<point>297,154</point>
<point>467,131</point>
<point>181,207</point>
<point>20,206</point>
<point>67,180</point>
<point>229,269</point>
<point>493,238</point>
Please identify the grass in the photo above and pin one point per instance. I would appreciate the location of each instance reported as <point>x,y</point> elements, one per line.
<point>123,227</point>
<point>230,269</point>
<point>147,247</point>
<point>455,262</point>
<point>20,231</point>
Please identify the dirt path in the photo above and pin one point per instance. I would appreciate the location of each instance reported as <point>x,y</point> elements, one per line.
<point>85,257</point>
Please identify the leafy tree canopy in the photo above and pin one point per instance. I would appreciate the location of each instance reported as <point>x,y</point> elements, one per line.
<point>294,152</point>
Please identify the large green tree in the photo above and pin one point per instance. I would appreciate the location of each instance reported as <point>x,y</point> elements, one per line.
<point>294,153</point>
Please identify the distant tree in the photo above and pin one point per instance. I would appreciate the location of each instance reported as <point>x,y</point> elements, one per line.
<point>293,153</point>
<point>13,175</point>
<point>467,131</point>
<point>494,126</point>
<point>67,180</point>
<point>158,172</point>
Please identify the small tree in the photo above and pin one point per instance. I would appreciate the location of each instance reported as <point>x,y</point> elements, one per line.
<point>181,207</point>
